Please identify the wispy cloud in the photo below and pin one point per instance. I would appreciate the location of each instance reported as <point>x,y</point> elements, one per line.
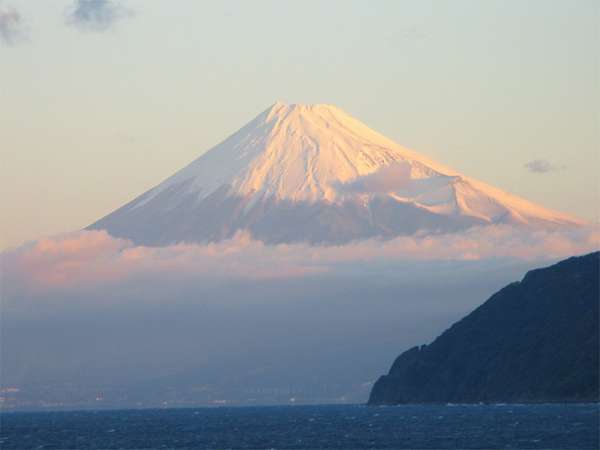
<point>391,178</point>
<point>11,25</point>
<point>96,15</point>
<point>542,166</point>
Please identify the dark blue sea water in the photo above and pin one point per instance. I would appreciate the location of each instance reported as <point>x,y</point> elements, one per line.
<point>556,426</point>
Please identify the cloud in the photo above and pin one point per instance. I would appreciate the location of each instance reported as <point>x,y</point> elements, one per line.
<point>95,257</point>
<point>542,166</point>
<point>82,308</point>
<point>96,15</point>
<point>388,179</point>
<point>11,25</point>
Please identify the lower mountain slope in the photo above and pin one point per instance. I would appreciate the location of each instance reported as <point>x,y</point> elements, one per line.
<point>536,340</point>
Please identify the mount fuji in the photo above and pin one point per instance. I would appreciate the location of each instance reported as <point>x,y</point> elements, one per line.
<point>312,173</point>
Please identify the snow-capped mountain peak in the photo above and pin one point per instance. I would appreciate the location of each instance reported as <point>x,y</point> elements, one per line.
<point>296,152</point>
<point>312,172</point>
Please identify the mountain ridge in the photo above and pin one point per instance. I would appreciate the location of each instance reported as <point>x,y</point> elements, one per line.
<point>535,340</point>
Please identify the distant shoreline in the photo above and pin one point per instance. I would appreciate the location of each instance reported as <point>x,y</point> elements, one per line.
<point>305,405</point>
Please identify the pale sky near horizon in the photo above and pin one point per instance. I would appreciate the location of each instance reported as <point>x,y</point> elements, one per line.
<point>503,91</point>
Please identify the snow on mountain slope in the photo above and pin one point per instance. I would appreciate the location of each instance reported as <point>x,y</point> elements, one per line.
<point>313,173</point>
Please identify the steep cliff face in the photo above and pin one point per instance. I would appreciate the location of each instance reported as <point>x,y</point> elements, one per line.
<point>536,340</point>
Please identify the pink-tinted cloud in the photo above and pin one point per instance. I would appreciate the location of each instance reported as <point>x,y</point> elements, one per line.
<point>93,257</point>
<point>66,258</point>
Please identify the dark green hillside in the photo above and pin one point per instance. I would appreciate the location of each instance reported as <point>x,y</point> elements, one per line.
<point>533,341</point>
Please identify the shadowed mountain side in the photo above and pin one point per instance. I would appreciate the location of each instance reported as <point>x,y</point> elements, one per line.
<point>219,216</point>
<point>533,341</point>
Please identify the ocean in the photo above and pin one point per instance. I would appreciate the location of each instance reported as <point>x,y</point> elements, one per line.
<point>540,426</point>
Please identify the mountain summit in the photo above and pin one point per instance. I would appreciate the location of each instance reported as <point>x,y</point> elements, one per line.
<point>313,173</point>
